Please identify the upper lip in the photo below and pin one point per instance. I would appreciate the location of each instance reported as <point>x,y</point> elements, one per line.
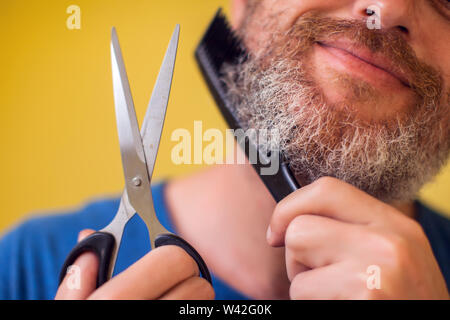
<point>377,60</point>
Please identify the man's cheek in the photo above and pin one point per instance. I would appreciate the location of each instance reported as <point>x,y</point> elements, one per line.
<point>270,17</point>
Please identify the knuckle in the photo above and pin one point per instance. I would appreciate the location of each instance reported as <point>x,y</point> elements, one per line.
<point>395,249</point>
<point>279,210</point>
<point>297,231</point>
<point>179,257</point>
<point>279,216</point>
<point>325,184</point>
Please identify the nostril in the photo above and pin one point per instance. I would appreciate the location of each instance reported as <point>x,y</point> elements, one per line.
<point>369,12</point>
<point>403,29</point>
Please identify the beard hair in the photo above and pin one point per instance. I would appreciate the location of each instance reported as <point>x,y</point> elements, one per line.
<point>389,159</point>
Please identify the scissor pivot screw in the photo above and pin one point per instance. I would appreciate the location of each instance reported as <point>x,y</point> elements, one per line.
<point>137,181</point>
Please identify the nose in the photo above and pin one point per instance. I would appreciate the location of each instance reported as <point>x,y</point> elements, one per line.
<point>392,14</point>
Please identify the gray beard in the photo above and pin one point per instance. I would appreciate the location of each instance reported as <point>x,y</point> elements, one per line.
<point>389,160</point>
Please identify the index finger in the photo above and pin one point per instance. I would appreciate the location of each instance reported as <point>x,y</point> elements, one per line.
<point>328,197</point>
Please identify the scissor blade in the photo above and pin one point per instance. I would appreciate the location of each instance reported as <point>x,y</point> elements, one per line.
<point>137,178</point>
<point>156,110</point>
<point>132,151</point>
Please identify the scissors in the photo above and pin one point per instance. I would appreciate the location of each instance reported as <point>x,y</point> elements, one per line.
<point>138,152</point>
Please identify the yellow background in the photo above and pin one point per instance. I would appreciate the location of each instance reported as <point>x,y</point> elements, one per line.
<point>57,123</point>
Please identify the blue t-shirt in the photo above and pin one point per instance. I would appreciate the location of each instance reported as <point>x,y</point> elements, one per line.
<point>31,255</point>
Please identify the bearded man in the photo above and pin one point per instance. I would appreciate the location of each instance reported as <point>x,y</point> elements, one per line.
<point>363,119</point>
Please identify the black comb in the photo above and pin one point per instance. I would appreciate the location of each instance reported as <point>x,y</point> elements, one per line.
<point>220,46</point>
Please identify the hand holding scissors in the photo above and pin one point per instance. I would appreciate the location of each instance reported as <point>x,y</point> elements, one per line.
<point>138,164</point>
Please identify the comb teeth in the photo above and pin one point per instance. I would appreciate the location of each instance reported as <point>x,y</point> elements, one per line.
<point>218,47</point>
<point>220,38</point>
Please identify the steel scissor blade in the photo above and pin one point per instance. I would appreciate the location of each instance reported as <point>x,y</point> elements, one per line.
<point>156,110</point>
<point>125,112</point>
<point>133,158</point>
<point>137,176</point>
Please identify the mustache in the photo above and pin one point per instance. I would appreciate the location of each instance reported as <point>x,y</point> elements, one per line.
<point>312,28</point>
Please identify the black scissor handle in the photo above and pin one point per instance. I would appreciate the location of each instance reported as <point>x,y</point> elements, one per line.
<point>102,244</point>
<point>167,239</point>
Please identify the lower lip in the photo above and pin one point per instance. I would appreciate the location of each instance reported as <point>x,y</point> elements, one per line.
<point>342,60</point>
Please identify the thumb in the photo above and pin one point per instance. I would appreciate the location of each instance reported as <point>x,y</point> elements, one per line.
<point>81,278</point>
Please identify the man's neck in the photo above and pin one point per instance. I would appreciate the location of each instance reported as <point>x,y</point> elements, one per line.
<point>224,213</point>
